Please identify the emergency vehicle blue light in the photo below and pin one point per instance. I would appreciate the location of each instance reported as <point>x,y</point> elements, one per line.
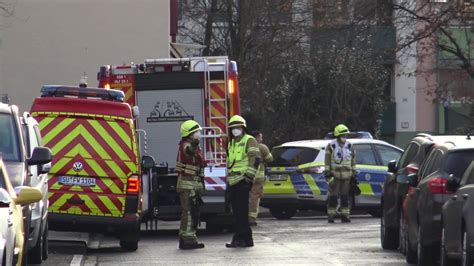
<point>65,91</point>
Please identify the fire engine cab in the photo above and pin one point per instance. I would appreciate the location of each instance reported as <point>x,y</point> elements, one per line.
<point>169,92</point>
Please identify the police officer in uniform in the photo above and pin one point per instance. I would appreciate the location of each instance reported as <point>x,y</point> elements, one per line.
<point>243,161</point>
<point>256,191</point>
<point>190,168</point>
<point>340,168</point>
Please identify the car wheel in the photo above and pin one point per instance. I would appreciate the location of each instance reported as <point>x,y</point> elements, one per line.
<point>282,213</point>
<point>388,236</point>
<point>214,228</point>
<point>45,243</point>
<point>375,213</point>
<point>401,234</point>
<point>4,258</point>
<point>35,255</point>
<point>423,252</point>
<point>466,256</point>
<point>26,246</point>
<point>129,245</point>
<point>409,252</point>
<point>445,260</point>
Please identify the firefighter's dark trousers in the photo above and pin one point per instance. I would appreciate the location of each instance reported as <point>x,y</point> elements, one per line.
<point>338,189</point>
<point>239,196</point>
<point>187,229</point>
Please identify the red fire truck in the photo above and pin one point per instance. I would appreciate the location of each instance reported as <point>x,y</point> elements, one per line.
<point>168,92</point>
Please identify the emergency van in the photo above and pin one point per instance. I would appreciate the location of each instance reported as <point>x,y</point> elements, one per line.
<point>95,177</point>
<point>169,92</point>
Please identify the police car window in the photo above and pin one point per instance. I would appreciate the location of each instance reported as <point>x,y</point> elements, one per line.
<point>365,154</point>
<point>388,153</point>
<point>408,155</point>
<point>293,156</point>
<point>458,161</point>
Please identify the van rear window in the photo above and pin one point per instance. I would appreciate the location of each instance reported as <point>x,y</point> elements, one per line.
<point>458,161</point>
<point>293,156</point>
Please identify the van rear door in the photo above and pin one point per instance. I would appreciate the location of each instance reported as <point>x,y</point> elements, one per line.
<point>93,156</point>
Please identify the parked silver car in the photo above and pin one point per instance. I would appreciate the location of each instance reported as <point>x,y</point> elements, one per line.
<point>38,237</point>
<point>19,140</point>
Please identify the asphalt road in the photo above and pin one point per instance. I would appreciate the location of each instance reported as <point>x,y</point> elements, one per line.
<point>301,240</point>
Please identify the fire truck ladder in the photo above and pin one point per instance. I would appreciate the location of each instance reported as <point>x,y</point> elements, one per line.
<point>217,153</point>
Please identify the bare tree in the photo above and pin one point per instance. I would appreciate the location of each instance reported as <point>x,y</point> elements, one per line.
<point>289,89</point>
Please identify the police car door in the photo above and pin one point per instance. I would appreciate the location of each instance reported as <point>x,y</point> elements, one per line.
<point>371,175</point>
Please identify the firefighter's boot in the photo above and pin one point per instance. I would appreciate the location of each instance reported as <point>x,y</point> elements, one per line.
<point>345,219</point>
<point>195,245</point>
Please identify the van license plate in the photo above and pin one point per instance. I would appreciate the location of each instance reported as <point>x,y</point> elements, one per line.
<point>77,181</point>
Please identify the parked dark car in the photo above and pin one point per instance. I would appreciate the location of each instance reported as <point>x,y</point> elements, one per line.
<point>458,221</point>
<point>427,194</point>
<point>394,193</point>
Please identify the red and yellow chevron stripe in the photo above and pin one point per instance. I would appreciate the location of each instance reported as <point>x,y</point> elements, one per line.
<point>127,90</point>
<point>124,83</point>
<point>105,145</point>
<point>218,111</point>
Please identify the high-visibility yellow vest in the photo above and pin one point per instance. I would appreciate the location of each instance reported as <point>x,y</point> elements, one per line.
<point>341,160</point>
<point>238,163</point>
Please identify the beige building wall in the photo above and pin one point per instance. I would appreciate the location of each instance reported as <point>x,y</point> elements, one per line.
<point>56,41</point>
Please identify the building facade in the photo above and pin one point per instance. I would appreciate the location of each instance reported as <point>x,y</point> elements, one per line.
<point>57,41</point>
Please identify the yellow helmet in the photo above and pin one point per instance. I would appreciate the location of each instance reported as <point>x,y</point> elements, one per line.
<point>188,127</point>
<point>340,130</point>
<point>237,121</point>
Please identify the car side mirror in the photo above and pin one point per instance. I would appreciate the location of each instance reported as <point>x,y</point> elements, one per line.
<point>392,166</point>
<point>452,184</point>
<point>412,180</point>
<point>148,162</point>
<point>27,195</point>
<point>40,155</point>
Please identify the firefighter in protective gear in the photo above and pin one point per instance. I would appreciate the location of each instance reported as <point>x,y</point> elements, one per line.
<point>340,168</point>
<point>256,191</point>
<point>190,168</point>
<point>243,162</point>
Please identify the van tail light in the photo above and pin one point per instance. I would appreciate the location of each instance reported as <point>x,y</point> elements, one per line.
<point>133,185</point>
<point>411,169</point>
<point>438,185</point>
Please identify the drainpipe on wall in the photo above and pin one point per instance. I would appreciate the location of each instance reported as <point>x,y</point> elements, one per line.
<point>173,20</point>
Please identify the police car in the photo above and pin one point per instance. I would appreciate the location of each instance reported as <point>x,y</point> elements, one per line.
<point>295,181</point>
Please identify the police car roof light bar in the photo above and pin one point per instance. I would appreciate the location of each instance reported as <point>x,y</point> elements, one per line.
<point>64,91</point>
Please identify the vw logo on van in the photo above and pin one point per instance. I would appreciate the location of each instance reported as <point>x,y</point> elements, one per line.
<point>77,166</point>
